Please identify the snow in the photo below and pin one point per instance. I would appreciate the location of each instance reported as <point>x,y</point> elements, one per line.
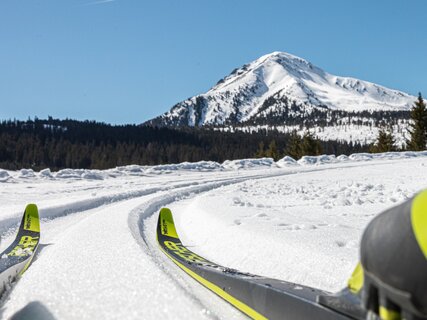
<point>26,173</point>
<point>303,227</point>
<point>201,166</point>
<point>299,221</point>
<point>362,134</point>
<point>286,161</point>
<point>249,163</point>
<point>4,175</point>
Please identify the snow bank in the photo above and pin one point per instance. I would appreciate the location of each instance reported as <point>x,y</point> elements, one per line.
<point>249,163</point>
<point>93,175</point>
<point>286,162</point>
<point>187,166</point>
<point>46,173</point>
<point>316,160</point>
<point>355,157</point>
<point>4,175</point>
<point>132,170</point>
<point>69,174</point>
<point>201,166</point>
<point>26,174</point>
<point>387,155</point>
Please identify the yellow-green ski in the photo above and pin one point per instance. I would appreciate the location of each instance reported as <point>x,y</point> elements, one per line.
<point>257,297</point>
<point>18,256</point>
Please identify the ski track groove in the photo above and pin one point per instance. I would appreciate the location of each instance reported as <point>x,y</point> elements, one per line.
<point>51,213</point>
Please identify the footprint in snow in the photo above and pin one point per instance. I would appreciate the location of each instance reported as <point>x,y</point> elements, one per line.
<point>236,201</point>
<point>347,244</point>
<point>261,215</point>
<point>340,243</point>
<point>296,227</point>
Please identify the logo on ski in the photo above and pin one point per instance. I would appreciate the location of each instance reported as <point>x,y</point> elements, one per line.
<point>181,251</point>
<point>164,227</point>
<point>25,246</point>
<point>28,222</point>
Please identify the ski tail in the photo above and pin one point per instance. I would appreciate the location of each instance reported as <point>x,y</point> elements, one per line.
<point>15,260</point>
<point>258,297</point>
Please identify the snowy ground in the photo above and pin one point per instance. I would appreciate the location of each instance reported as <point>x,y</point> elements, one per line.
<point>363,134</point>
<point>297,221</point>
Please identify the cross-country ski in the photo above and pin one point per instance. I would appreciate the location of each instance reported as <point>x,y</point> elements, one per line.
<point>18,256</point>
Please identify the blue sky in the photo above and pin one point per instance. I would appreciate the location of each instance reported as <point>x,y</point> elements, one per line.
<point>126,61</point>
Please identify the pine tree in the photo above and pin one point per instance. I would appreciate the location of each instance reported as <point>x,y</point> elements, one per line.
<point>310,145</point>
<point>385,142</point>
<point>294,146</point>
<point>418,126</point>
<point>272,150</point>
<point>260,152</point>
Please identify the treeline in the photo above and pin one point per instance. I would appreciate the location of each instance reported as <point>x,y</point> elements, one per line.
<point>58,144</point>
<point>417,140</point>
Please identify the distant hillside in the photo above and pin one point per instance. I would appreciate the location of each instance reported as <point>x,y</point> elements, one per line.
<point>61,144</point>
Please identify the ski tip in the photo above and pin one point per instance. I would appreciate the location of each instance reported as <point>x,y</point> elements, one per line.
<point>31,218</point>
<point>166,224</point>
<point>355,283</point>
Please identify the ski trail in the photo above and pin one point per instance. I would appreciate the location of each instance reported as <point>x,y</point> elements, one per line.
<point>100,258</point>
<point>8,226</point>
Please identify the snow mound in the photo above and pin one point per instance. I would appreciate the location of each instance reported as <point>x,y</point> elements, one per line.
<point>186,166</point>
<point>93,175</point>
<point>249,163</point>
<point>317,160</point>
<point>69,174</point>
<point>77,174</point>
<point>342,158</point>
<point>26,174</point>
<point>201,166</point>
<point>132,170</point>
<point>46,173</point>
<point>286,162</point>
<point>387,155</point>
<point>4,175</point>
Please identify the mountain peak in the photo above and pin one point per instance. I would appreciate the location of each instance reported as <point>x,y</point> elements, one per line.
<point>272,85</point>
<point>282,55</point>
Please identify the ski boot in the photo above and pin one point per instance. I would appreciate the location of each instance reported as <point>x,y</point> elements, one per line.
<point>393,284</point>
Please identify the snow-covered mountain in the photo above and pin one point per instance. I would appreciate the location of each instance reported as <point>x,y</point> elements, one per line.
<point>282,89</point>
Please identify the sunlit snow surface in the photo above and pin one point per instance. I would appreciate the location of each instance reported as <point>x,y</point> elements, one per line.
<point>297,221</point>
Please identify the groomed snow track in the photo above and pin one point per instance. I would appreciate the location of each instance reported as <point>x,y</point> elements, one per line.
<point>90,266</point>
